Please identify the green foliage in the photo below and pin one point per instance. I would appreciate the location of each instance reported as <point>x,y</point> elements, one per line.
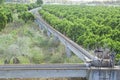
<point>7,11</point>
<point>26,16</point>
<point>21,8</point>
<point>31,6</point>
<point>29,45</point>
<point>3,21</point>
<point>89,26</point>
<point>5,16</point>
<point>57,58</point>
<point>25,42</point>
<point>73,59</point>
<point>118,59</point>
<point>37,57</point>
<point>2,1</point>
<point>39,2</point>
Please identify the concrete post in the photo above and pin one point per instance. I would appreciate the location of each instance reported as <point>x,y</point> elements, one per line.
<point>102,75</point>
<point>56,40</point>
<point>118,75</point>
<point>48,33</point>
<point>68,52</point>
<point>40,26</point>
<point>35,21</point>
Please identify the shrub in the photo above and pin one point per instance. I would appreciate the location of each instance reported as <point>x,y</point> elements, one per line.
<point>3,21</point>
<point>26,16</point>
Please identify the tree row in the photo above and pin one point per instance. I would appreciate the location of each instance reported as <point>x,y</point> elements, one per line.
<point>91,27</point>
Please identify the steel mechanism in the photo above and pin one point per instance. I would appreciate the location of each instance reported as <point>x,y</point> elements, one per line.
<point>106,58</point>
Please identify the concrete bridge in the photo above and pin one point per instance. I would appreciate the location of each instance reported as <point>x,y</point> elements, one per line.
<point>59,71</point>
<point>92,69</point>
<point>43,71</point>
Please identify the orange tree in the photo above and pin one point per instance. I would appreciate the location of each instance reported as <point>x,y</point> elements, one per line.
<point>26,16</point>
<point>3,21</point>
<point>90,26</point>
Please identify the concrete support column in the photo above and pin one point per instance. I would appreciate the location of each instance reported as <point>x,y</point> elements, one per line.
<point>40,26</point>
<point>48,33</point>
<point>55,38</point>
<point>68,52</point>
<point>118,75</point>
<point>36,21</point>
<point>102,75</point>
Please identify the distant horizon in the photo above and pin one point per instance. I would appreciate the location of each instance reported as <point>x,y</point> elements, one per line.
<point>77,0</point>
<point>91,0</point>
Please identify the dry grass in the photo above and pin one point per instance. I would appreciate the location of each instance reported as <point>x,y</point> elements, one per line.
<point>31,46</point>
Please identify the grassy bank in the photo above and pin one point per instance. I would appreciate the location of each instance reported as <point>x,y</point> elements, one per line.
<point>30,46</point>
